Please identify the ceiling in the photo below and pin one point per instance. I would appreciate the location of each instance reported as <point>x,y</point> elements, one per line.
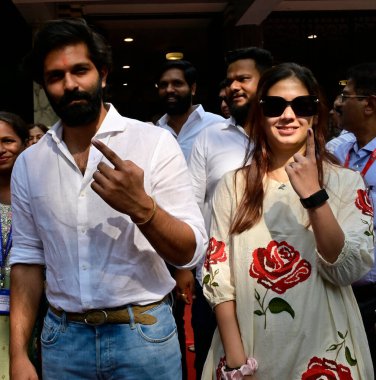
<point>197,28</point>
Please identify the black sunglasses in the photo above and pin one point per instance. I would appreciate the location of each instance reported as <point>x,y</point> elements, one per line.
<point>273,106</point>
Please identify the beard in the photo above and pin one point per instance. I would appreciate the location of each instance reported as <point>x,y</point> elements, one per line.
<point>179,107</point>
<point>240,113</point>
<point>81,113</point>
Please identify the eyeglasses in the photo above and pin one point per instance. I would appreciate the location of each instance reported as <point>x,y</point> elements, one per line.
<point>343,97</point>
<point>273,106</point>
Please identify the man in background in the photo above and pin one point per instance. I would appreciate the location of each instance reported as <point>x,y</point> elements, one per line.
<point>356,107</point>
<point>177,85</point>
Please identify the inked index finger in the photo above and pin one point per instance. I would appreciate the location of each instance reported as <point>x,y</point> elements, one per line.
<point>108,153</point>
<point>310,148</point>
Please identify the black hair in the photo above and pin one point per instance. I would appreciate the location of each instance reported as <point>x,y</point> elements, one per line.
<point>363,76</point>
<point>189,71</point>
<point>62,32</point>
<point>263,58</point>
<point>41,126</point>
<point>17,124</point>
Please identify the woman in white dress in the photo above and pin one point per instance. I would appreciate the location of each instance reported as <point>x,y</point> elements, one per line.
<point>290,233</point>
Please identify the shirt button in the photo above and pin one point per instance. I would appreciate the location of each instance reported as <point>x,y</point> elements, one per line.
<point>82,194</point>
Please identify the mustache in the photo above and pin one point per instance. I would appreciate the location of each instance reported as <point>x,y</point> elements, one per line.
<point>71,96</point>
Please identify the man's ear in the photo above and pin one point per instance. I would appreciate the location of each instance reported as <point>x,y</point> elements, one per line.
<point>193,89</point>
<point>104,73</point>
<point>370,108</point>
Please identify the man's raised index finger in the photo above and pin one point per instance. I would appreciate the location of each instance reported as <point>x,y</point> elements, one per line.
<point>310,148</point>
<point>108,153</point>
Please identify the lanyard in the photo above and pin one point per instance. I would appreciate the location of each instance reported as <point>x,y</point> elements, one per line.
<point>5,250</point>
<point>369,163</point>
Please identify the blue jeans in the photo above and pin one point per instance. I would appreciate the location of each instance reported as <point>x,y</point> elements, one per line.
<point>72,350</point>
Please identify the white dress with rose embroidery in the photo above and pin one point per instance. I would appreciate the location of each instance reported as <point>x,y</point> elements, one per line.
<point>297,313</point>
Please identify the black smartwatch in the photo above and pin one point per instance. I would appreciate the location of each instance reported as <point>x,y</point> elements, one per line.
<point>315,200</point>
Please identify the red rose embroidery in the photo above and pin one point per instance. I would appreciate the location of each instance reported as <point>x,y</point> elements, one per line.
<point>326,369</point>
<point>279,266</point>
<point>215,253</point>
<point>363,203</point>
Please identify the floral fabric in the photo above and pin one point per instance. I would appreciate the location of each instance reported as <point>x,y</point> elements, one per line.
<point>296,312</point>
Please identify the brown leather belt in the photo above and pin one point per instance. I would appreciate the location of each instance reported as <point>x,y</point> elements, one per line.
<point>119,315</point>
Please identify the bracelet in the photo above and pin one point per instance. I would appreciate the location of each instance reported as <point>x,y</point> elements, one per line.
<point>152,213</point>
<point>315,200</point>
<point>249,368</point>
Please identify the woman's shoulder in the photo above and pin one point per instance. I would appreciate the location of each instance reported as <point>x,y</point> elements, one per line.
<point>342,182</point>
<point>339,174</point>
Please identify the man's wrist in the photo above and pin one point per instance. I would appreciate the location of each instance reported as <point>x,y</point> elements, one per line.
<point>147,215</point>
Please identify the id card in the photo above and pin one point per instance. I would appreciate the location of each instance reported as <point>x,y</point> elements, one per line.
<point>4,301</point>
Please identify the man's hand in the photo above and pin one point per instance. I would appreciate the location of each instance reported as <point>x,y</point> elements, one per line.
<point>303,172</point>
<point>22,369</point>
<point>122,187</point>
<point>185,285</point>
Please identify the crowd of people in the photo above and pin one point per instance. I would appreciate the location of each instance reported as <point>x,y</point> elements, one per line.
<point>254,217</point>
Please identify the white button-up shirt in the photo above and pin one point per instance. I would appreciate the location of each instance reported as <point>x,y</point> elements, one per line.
<point>95,256</point>
<point>198,120</point>
<point>217,150</point>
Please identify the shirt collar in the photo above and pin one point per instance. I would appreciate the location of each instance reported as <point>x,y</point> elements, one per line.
<point>370,147</point>
<point>113,122</point>
<point>198,111</point>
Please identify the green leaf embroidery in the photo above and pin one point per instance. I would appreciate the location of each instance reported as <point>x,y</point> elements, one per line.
<point>339,346</point>
<point>258,312</point>
<point>215,284</point>
<point>332,347</point>
<point>349,359</point>
<point>278,305</point>
<point>206,279</point>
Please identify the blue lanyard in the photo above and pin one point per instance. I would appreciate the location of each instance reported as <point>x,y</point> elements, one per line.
<point>5,250</point>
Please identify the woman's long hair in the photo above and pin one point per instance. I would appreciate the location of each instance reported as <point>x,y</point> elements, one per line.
<point>250,208</point>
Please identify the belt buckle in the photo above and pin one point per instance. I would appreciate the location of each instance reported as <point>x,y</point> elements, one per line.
<point>101,312</point>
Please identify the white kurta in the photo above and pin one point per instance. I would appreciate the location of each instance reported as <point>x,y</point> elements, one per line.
<point>297,313</point>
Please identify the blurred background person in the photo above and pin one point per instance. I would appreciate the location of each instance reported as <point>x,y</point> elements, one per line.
<point>13,136</point>
<point>357,150</point>
<point>225,110</point>
<point>177,86</point>
<point>36,132</point>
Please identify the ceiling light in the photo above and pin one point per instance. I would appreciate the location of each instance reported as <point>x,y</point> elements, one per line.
<point>343,82</point>
<point>128,39</point>
<point>312,36</point>
<point>126,67</point>
<point>174,55</point>
<point>125,84</point>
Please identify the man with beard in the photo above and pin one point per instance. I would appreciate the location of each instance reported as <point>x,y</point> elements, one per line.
<point>176,88</point>
<point>109,203</point>
<point>217,150</point>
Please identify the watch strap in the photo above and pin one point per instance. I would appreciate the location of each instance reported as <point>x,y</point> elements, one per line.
<point>315,200</point>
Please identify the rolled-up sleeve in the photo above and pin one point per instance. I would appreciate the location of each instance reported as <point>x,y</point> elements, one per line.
<point>172,187</point>
<point>27,247</point>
